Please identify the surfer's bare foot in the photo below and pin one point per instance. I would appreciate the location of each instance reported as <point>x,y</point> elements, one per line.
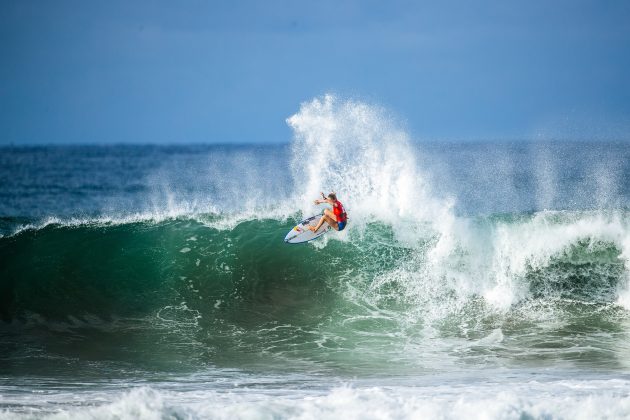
<point>312,228</point>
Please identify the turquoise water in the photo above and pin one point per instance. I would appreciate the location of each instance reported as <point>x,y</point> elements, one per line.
<point>474,279</point>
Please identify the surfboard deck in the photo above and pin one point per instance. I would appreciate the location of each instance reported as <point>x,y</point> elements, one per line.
<point>300,233</point>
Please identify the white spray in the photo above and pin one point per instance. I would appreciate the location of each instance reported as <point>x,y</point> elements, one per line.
<point>356,150</point>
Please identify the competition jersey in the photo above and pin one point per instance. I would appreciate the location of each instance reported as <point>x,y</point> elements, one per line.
<point>339,211</point>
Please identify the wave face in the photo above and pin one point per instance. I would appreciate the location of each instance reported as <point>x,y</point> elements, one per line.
<point>492,255</point>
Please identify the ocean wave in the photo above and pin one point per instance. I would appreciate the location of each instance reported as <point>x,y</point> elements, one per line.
<point>208,268</point>
<point>539,256</point>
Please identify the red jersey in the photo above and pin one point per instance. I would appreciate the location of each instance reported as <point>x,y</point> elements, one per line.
<point>339,211</point>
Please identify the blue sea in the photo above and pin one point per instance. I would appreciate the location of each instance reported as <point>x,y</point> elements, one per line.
<point>485,279</point>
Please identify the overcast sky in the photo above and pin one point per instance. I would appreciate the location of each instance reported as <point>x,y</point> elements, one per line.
<point>233,71</point>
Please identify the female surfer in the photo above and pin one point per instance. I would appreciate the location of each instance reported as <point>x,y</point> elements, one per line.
<point>335,218</point>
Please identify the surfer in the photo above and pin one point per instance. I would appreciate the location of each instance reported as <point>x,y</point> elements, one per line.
<point>335,218</point>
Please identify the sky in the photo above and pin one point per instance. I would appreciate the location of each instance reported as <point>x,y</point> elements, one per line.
<point>75,71</point>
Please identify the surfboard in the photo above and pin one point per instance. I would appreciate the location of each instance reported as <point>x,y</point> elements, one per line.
<point>301,233</point>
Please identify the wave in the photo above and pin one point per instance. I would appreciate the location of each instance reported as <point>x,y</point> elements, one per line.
<point>217,278</point>
<point>135,268</point>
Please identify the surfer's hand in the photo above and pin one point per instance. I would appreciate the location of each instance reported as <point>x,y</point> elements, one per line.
<point>316,201</point>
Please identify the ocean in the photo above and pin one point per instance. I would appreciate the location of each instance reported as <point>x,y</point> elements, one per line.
<point>485,279</point>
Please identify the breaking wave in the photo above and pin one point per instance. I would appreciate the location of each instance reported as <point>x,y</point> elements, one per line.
<point>217,280</point>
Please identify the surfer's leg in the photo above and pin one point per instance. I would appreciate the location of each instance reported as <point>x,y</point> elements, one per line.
<point>325,218</point>
<point>318,225</point>
<point>331,219</point>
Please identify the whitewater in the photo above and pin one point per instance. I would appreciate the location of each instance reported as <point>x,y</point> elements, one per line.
<point>482,279</point>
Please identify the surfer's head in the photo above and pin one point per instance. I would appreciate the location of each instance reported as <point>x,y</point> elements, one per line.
<point>332,196</point>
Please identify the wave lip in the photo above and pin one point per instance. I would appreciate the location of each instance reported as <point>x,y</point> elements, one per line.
<point>555,245</point>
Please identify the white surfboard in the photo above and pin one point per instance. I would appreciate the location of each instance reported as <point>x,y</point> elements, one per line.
<point>301,233</point>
